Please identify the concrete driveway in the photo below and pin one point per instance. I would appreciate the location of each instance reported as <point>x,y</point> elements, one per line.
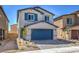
<point>47,44</point>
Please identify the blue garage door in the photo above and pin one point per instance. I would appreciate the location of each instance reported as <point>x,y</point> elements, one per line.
<point>42,34</point>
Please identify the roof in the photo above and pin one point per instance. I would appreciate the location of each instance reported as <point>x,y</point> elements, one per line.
<point>60,17</point>
<point>40,22</point>
<point>73,13</point>
<point>31,8</point>
<point>43,9</point>
<point>76,27</point>
<point>14,24</point>
<point>4,13</point>
<point>34,8</point>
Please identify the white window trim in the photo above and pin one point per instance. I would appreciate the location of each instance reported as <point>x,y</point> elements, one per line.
<point>71,22</point>
<point>33,17</point>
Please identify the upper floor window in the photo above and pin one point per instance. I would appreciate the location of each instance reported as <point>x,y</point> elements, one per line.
<point>69,21</point>
<point>30,16</point>
<point>47,18</point>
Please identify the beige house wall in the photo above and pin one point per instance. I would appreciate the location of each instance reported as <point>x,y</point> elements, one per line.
<point>4,23</point>
<point>61,23</point>
<point>65,19</point>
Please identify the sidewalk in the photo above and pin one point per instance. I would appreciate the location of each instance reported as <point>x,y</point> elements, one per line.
<point>8,45</point>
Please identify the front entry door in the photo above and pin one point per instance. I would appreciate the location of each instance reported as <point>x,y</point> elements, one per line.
<point>75,34</point>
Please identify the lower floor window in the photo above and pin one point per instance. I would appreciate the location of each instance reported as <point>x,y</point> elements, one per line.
<point>2,33</point>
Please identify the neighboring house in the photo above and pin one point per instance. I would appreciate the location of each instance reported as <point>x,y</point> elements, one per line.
<point>14,28</point>
<point>68,26</point>
<point>3,24</point>
<point>36,22</point>
<point>13,33</point>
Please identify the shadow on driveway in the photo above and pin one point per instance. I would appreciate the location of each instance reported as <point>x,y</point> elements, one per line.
<point>47,44</point>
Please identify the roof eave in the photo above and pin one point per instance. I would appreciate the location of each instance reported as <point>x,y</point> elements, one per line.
<point>45,10</point>
<point>39,22</point>
<point>60,17</point>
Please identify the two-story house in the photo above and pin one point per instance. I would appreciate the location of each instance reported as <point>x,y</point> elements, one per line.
<point>3,24</point>
<point>36,20</point>
<point>68,26</point>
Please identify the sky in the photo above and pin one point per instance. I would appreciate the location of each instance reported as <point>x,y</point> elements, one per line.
<point>58,10</point>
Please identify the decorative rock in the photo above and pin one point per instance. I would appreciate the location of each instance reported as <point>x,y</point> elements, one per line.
<point>20,43</point>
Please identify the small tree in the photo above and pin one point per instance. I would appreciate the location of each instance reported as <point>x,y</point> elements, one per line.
<point>23,32</point>
<point>68,30</point>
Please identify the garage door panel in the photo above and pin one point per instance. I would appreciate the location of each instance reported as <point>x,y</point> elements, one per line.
<point>41,34</point>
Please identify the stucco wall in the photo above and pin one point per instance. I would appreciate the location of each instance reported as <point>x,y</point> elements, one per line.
<point>59,23</point>
<point>23,22</point>
<point>46,13</point>
<point>68,16</point>
<point>42,25</point>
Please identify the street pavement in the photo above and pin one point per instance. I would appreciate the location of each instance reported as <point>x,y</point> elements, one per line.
<point>71,49</point>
